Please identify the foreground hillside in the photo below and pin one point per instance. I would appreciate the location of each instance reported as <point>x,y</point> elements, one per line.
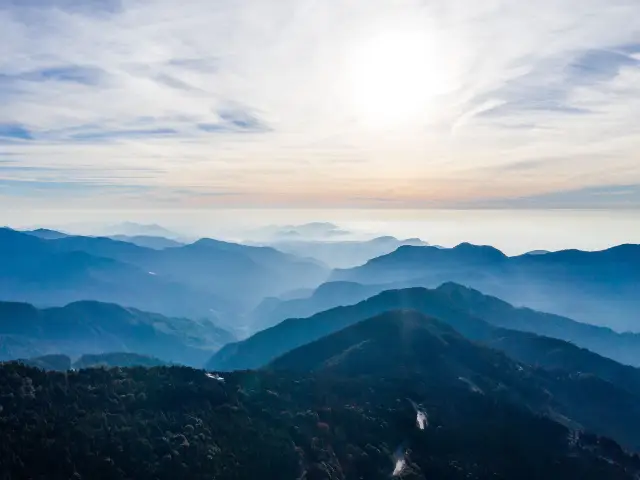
<point>407,343</point>
<point>64,363</point>
<point>168,423</point>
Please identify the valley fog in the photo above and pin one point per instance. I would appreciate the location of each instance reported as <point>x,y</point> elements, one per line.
<point>512,231</point>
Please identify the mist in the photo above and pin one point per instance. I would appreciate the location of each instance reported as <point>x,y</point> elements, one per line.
<point>512,231</point>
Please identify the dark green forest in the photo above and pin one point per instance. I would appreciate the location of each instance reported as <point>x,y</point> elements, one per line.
<point>339,408</point>
<point>115,359</point>
<point>174,422</point>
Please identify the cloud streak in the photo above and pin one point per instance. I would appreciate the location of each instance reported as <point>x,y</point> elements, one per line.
<point>255,98</point>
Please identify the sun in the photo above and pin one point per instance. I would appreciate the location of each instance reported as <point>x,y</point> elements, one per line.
<point>395,76</point>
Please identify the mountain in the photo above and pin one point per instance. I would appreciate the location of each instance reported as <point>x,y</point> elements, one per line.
<point>622,347</point>
<point>46,234</point>
<point>593,287</point>
<point>13,347</point>
<point>272,311</point>
<point>396,342</point>
<point>207,278</point>
<point>409,345</point>
<point>263,347</point>
<point>55,361</point>
<point>148,241</point>
<point>239,274</point>
<point>166,423</point>
<point>93,327</point>
<point>308,231</point>
<point>117,359</point>
<point>134,229</point>
<point>63,363</point>
<point>57,272</point>
<point>344,254</point>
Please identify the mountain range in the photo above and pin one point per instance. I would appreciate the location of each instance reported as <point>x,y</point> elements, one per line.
<point>312,231</point>
<point>622,347</point>
<point>199,279</point>
<point>344,253</point>
<point>409,345</point>
<point>91,327</point>
<point>399,395</point>
<point>135,229</point>
<point>148,241</point>
<point>63,363</point>
<point>552,353</point>
<point>365,376</point>
<point>593,287</point>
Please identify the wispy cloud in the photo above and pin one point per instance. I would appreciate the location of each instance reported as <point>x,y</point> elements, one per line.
<point>14,131</point>
<point>601,196</point>
<point>248,102</point>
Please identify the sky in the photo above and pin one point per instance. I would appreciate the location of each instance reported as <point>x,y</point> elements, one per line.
<point>320,104</point>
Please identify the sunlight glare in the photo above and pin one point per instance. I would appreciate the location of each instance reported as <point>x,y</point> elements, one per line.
<point>395,76</point>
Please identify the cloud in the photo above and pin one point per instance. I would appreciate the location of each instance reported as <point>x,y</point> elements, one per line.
<point>14,131</point>
<point>595,197</point>
<point>69,73</point>
<point>118,134</point>
<point>256,98</point>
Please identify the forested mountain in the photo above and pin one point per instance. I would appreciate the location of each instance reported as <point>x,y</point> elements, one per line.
<point>407,344</point>
<point>62,363</point>
<point>200,279</point>
<point>242,273</point>
<point>272,311</point>
<point>117,359</point>
<point>593,287</point>
<point>93,327</point>
<point>622,347</point>
<point>54,361</point>
<point>237,273</point>
<point>38,271</point>
<point>168,423</point>
<point>264,346</point>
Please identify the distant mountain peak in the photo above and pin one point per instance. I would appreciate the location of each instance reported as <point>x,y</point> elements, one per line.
<point>135,229</point>
<point>148,241</point>
<point>385,238</point>
<point>209,242</point>
<point>46,233</point>
<point>470,247</point>
<point>463,251</point>
<point>415,240</point>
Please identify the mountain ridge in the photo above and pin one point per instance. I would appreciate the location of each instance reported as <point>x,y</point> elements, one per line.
<point>593,287</point>
<point>263,347</point>
<point>414,347</point>
<point>86,327</point>
<point>198,279</point>
<point>622,347</point>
